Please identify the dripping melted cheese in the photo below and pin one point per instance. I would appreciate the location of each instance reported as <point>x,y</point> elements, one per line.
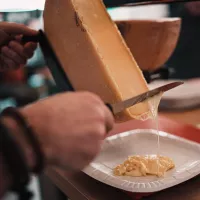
<point>148,164</point>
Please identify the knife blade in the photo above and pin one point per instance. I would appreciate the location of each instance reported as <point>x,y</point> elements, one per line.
<point>120,106</point>
<point>63,82</point>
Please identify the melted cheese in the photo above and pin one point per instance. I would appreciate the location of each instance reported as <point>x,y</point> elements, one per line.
<point>93,53</point>
<point>149,164</point>
<point>144,165</point>
<point>154,103</point>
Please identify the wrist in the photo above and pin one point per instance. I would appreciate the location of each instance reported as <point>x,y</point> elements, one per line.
<point>40,133</point>
<point>17,133</point>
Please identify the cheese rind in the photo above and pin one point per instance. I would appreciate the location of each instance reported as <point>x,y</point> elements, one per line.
<point>93,53</point>
<point>154,40</point>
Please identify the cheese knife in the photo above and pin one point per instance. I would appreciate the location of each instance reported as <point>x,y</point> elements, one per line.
<point>63,83</point>
<point>120,106</point>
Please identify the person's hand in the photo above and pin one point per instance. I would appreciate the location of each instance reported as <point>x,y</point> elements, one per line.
<point>70,127</point>
<point>193,8</point>
<point>14,54</point>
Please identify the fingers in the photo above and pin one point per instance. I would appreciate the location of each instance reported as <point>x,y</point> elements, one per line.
<point>12,55</point>
<point>17,47</point>
<point>106,114</point>
<point>16,29</point>
<point>29,49</point>
<point>25,51</point>
<point>6,63</point>
<point>15,54</point>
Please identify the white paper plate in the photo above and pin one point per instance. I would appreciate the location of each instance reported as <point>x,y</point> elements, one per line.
<point>116,149</point>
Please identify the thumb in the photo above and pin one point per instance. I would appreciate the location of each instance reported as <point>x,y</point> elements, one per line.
<point>16,29</point>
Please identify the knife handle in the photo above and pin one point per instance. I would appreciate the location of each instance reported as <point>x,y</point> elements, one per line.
<point>34,38</point>
<point>109,107</point>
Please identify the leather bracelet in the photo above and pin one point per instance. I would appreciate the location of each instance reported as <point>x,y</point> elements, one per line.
<point>29,135</point>
<point>16,163</point>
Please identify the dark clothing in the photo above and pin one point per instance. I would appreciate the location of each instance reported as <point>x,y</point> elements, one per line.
<point>110,3</point>
<point>186,57</point>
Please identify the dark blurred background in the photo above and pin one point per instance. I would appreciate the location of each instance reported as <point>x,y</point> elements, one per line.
<point>186,58</point>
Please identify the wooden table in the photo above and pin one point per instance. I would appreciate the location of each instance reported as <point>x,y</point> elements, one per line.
<point>79,186</point>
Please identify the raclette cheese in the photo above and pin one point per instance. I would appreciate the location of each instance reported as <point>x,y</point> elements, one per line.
<point>93,53</point>
<point>151,41</point>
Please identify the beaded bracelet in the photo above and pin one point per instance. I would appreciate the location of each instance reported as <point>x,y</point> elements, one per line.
<point>29,134</point>
<point>16,163</point>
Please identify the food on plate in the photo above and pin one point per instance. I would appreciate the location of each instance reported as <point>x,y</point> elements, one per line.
<point>144,165</point>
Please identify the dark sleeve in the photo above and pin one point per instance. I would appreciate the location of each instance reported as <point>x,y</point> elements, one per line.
<point>113,3</point>
<point>5,178</point>
<point>185,58</point>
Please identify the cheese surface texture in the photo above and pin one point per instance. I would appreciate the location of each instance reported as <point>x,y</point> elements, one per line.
<point>151,41</point>
<point>93,53</point>
<point>144,165</point>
